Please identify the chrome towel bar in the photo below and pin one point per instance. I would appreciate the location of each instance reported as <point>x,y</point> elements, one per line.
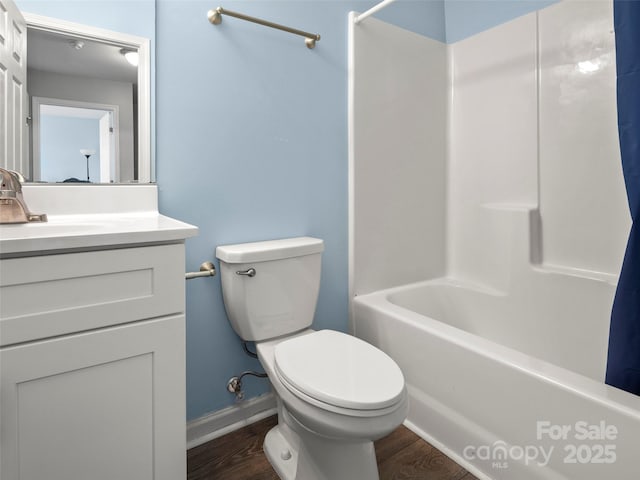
<point>215,17</point>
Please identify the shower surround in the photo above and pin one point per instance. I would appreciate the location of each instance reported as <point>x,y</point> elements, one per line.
<point>488,221</point>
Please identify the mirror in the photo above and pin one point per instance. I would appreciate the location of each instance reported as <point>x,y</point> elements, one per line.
<point>90,103</point>
<point>120,142</point>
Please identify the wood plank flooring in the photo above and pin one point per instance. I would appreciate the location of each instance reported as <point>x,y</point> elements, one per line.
<point>402,455</point>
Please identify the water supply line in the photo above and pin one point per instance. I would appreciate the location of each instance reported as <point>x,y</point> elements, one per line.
<point>234,385</point>
<point>245,347</point>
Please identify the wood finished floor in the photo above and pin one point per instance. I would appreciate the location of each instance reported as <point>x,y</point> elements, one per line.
<point>402,455</point>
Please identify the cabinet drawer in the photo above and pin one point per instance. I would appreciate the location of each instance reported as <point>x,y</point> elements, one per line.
<point>52,295</point>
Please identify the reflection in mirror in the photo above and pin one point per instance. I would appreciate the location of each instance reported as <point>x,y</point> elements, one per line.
<point>62,128</point>
<point>89,91</point>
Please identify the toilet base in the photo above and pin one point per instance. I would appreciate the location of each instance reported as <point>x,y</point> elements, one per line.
<point>282,456</point>
<point>317,458</point>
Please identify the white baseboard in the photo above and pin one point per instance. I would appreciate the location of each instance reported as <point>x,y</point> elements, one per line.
<point>216,424</point>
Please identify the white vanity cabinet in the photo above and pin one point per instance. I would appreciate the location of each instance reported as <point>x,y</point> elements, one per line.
<point>92,364</point>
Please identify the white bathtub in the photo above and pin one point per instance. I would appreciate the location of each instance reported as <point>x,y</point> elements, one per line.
<point>507,385</point>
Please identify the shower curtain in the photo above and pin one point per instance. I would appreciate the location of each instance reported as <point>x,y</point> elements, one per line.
<point>623,365</point>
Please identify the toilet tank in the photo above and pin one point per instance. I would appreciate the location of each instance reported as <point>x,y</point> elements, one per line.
<point>270,288</point>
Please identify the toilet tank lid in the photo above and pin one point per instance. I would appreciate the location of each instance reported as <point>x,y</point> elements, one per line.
<point>269,250</point>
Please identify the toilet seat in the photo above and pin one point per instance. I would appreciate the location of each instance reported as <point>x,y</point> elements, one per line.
<point>340,371</point>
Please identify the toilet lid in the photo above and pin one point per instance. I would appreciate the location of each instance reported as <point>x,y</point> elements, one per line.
<point>340,370</point>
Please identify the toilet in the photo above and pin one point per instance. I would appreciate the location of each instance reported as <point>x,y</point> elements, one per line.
<point>336,394</point>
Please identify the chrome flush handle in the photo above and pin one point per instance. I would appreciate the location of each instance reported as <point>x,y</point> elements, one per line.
<point>249,273</point>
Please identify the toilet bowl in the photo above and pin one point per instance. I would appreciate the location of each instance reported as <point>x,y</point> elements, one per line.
<point>336,393</point>
<point>341,436</point>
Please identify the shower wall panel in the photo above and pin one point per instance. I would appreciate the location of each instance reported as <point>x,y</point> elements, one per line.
<point>397,158</point>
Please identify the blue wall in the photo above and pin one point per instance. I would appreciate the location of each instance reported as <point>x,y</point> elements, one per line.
<point>252,145</point>
<point>61,139</point>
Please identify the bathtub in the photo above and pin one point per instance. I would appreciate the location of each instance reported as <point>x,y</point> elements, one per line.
<point>509,386</point>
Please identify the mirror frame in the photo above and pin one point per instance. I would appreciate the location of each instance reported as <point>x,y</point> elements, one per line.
<point>124,40</point>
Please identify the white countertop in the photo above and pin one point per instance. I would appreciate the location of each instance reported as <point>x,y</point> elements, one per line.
<point>64,232</point>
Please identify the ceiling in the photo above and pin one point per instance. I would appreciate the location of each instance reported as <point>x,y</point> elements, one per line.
<point>54,52</point>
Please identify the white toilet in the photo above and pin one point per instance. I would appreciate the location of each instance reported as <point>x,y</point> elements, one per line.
<point>336,393</point>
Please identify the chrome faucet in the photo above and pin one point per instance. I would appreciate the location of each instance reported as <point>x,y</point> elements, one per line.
<point>12,206</point>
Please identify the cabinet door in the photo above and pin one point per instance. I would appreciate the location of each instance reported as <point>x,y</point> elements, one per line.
<point>101,405</point>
